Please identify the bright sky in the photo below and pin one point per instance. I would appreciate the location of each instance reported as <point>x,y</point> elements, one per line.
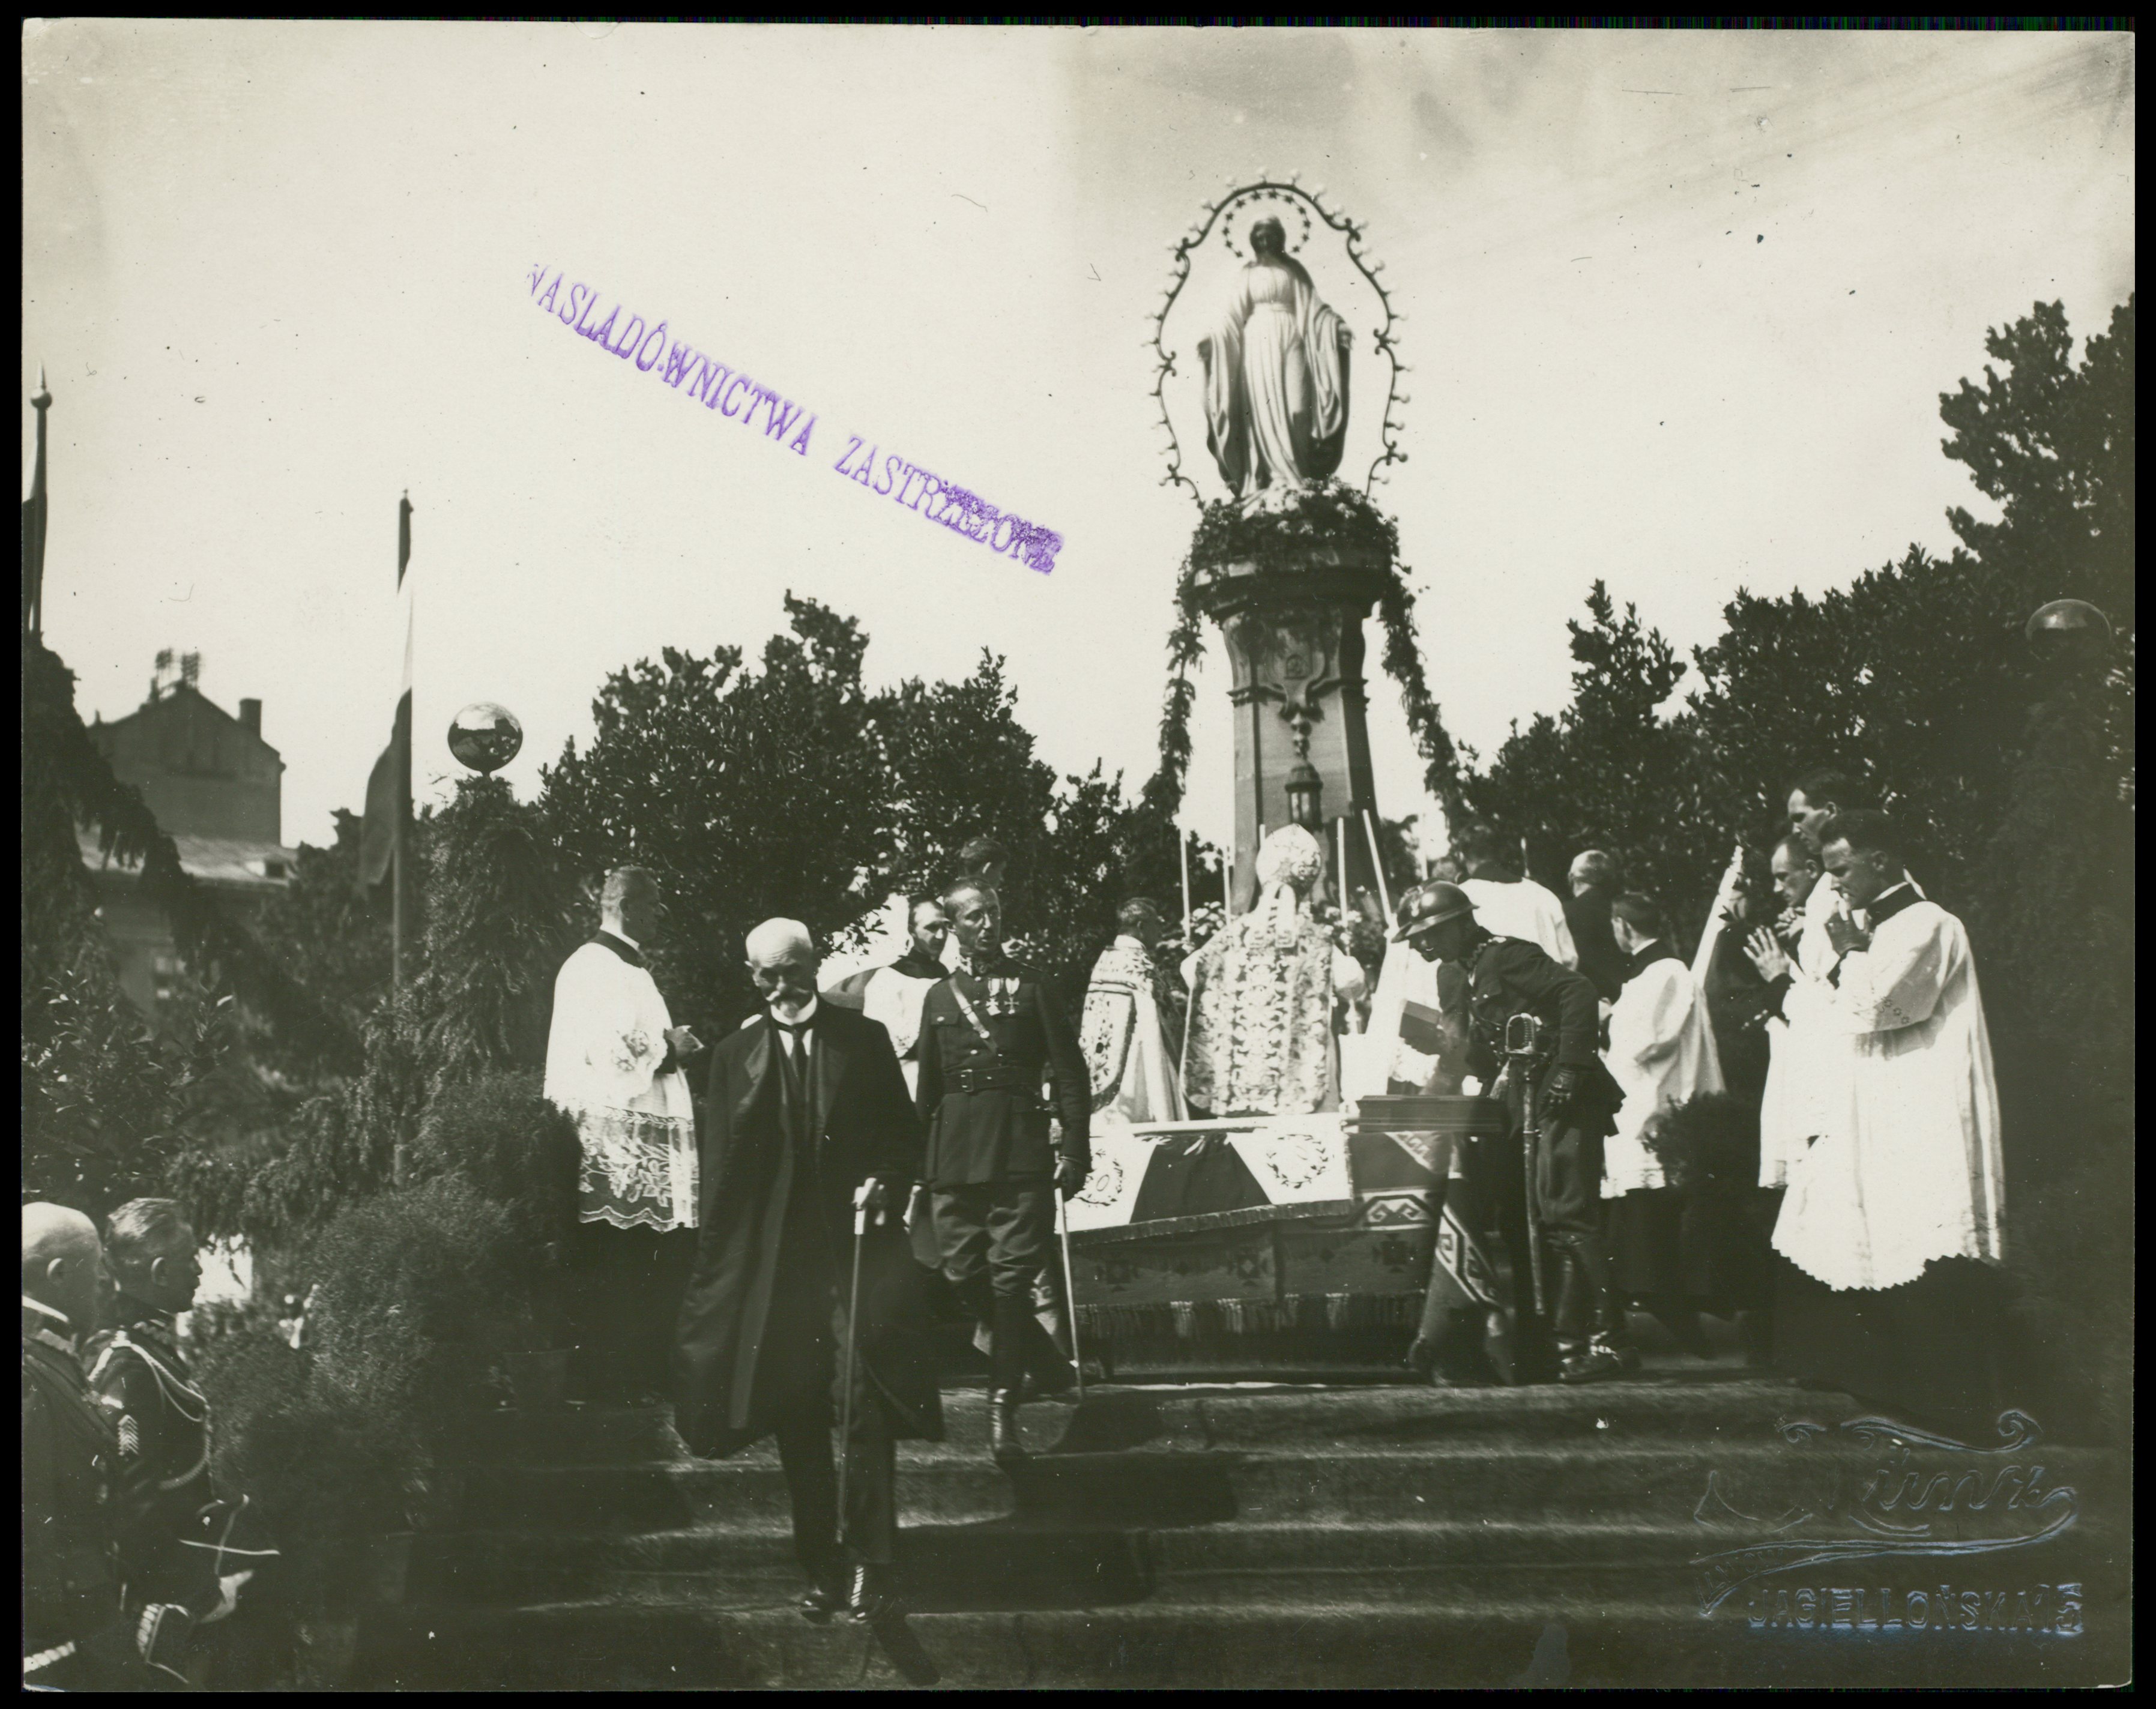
<point>1679,308</point>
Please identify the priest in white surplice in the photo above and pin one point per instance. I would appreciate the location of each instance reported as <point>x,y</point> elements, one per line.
<point>615,1062</point>
<point>1661,1046</point>
<point>1886,1211</point>
<point>1661,1053</point>
<point>1508,905</point>
<point>892,995</point>
<point>1132,1025</point>
<point>1808,1071</point>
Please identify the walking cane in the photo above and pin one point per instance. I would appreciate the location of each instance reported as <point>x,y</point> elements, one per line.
<point>1523,1044</point>
<point>853,1322</point>
<point>1069,1290</point>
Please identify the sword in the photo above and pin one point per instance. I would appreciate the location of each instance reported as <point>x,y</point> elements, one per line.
<point>1069,1289</point>
<point>1523,1046</point>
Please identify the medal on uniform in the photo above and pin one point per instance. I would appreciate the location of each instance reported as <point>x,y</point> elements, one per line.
<point>1003,997</point>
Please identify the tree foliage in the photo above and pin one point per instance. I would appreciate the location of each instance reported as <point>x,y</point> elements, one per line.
<point>749,792</point>
<point>794,791</point>
<point>500,920</point>
<point>1916,674</point>
<point>332,937</point>
<point>2013,778</point>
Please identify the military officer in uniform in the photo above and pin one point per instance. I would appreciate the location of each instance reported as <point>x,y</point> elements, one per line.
<point>76,1636</point>
<point>990,1035</point>
<point>175,1547</point>
<point>1577,1099</point>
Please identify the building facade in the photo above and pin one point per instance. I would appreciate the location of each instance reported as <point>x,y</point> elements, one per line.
<point>217,789</point>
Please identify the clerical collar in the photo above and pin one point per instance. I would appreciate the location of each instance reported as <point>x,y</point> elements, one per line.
<point>1890,901</point>
<point>625,947</point>
<point>799,1021</point>
<point>918,964</point>
<point>1660,949</point>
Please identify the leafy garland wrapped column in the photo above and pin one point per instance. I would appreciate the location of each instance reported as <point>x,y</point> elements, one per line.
<point>1278,542</point>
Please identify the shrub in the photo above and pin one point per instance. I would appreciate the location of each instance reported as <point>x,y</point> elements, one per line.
<point>500,1137</point>
<point>1710,1143</point>
<point>329,1464</point>
<point>2072,1255</point>
<point>415,1294</point>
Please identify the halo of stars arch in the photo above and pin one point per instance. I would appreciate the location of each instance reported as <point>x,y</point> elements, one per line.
<point>1232,214</point>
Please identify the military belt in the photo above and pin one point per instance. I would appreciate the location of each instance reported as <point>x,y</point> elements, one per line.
<point>992,1079</point>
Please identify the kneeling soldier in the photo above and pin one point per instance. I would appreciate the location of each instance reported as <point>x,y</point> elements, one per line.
<point>1508,977</point>
<point>989,1033</point>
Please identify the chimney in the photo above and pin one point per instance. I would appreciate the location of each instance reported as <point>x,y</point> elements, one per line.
<point>250,716</point>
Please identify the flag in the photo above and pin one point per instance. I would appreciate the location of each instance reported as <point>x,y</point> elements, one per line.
<point>34,524</point>
<point>389,786</point>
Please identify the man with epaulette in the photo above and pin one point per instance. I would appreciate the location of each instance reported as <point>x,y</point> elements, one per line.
<point>991,1033</point>
<point>1576,1100</point>
<point>76,1634</point>
<point>174,1552</point>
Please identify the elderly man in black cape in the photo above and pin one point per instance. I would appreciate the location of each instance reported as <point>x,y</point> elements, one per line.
<point>808,1117</point>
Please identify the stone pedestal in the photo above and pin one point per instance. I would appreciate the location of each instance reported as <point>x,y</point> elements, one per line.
<point>1294,630</point>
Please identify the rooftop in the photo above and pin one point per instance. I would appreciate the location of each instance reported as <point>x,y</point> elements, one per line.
<point>218,860</point>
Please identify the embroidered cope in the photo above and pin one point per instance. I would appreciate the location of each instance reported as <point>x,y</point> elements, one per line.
<point>1261,995</point>
<point>1132,1066</point>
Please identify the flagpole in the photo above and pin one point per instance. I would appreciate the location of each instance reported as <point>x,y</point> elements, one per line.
<point>34,524</point>
<point>401,811</point>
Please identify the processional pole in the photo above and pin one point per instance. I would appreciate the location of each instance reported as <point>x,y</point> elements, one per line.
<point>1183,856</point>
<point>1378,866</point>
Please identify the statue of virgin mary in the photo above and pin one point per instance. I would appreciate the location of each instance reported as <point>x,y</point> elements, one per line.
<point>1276,376</point>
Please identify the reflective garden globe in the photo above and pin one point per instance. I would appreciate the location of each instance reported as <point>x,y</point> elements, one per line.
<point>485,737</point>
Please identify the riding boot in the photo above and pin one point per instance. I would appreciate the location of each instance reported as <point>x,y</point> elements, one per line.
<point>1609,1351</point>
<point>1013,1316</point>
<point>1613,1339</point>
<point>1568,1307</point>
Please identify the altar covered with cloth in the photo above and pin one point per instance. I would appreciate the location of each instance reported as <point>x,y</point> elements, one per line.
<point>1273,1243</point>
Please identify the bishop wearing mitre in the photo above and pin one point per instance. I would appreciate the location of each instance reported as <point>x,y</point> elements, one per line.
<point>615,1063</point>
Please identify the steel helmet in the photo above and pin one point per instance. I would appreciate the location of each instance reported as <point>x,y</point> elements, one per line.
<point>1428,904</point>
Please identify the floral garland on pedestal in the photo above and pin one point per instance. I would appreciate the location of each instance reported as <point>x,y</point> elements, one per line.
<point>1280,539</point>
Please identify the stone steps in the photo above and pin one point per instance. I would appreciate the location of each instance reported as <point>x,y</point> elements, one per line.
<point>1224,1535</point>
<point>1016,1564</point>
<point>1203,1417</point>
<point>1521,1638</point>
<point>1557,1481</point>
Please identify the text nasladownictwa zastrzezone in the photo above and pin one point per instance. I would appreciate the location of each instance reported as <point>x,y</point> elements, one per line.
<point>736,396</point>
